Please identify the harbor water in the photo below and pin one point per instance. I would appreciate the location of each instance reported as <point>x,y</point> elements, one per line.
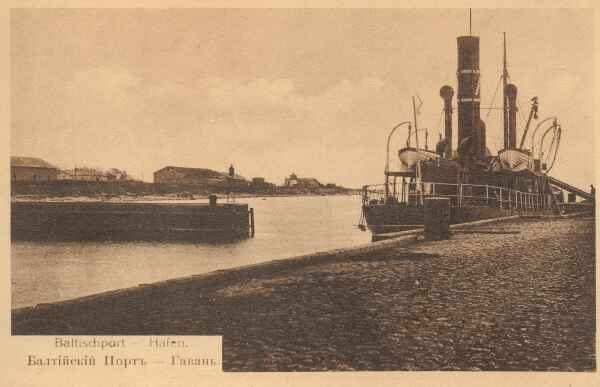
<point>285,227</point>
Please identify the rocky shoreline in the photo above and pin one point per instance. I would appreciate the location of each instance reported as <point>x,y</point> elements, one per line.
<point>523,300</point>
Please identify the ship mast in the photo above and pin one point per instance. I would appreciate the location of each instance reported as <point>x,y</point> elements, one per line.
<point>415,121</point>
<point>504,105</point>
<point>470,22</point>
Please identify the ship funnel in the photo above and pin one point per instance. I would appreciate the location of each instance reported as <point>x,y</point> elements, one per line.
<point>511,95</point>
<point>446,92</point>
<point>468,94</point>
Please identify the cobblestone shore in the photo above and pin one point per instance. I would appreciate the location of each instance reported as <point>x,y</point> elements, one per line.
<point>514,301</point>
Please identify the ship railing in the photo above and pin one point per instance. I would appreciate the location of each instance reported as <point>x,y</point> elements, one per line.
<point>414,193</point>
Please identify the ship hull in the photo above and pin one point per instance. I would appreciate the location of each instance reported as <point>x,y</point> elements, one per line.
<point>395,217</point>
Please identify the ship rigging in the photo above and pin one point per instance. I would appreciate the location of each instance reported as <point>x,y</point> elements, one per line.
<point>480,185</point>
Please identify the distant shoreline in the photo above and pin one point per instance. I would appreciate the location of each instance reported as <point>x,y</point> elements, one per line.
<point>141,191</point>
<point>173,197</point>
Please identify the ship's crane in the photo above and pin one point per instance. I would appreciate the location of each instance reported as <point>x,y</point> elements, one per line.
<point>532,114</point>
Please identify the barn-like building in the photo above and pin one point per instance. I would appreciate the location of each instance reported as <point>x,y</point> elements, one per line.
<point>31,169</point>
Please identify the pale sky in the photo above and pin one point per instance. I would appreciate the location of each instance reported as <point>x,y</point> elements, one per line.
<point>278,91</point>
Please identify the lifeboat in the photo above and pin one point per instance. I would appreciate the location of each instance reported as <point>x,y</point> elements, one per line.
<point>409,157</point>
<point>514,160</point>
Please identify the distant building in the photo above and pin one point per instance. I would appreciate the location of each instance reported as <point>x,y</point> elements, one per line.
<point>301,182</point>
<point>117,174</point>
<point>291,181</point>
<point>65,174</point>
<point>203,176</point>
<point>89,174</point>
<point>260,183</point>
<point>309,182</point>
<point>83,174</point>
<point>31,169</point>
<point>92,174</point>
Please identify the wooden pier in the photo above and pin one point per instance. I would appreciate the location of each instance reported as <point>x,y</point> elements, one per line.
<point>130,221</point>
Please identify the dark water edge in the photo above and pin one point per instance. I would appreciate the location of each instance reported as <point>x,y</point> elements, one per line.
<point>285,227</point>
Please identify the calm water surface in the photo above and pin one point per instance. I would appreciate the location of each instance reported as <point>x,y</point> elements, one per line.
<point>285,227</point>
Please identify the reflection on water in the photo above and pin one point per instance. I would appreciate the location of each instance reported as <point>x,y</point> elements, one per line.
<point>285,227</point>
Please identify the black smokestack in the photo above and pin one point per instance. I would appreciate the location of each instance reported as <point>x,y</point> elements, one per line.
<point>511,94</point>
<point>468,90</point>
<point>446,92</point>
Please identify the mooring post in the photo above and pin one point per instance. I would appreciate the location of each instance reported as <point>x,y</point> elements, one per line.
<point>252,222</point>
<point>437,218</point>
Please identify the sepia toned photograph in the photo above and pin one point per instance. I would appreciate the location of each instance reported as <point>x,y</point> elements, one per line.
<point>325,189</point>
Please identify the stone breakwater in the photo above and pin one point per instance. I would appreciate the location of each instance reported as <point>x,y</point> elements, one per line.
<point>480,301</point>
<point>132,221</point>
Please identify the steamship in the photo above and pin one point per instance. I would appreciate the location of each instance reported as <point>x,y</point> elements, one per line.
<point>478,185</point>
